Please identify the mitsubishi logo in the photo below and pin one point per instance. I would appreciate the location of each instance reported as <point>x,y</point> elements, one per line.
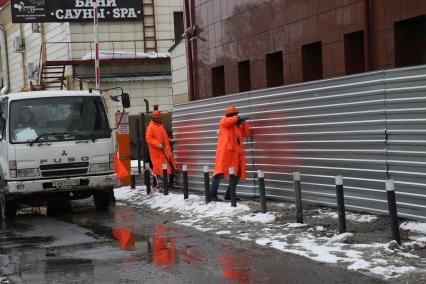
<point>64,153</point>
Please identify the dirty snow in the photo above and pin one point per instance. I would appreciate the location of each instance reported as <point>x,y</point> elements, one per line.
<point>318,243</point>
<point>360,218</point>
<point>414,227</point>
<point>259,217</point>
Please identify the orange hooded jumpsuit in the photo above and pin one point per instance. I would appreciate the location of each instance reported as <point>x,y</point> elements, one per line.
<point>156,135</point>
<point>230,149</point>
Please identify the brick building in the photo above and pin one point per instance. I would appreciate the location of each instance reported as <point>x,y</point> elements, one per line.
<point>243,45</point>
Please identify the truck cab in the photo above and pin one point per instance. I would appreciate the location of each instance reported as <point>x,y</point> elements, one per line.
<point>55,146</point>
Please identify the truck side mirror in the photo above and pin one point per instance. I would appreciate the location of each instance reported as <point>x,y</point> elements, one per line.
<point>125,100</point>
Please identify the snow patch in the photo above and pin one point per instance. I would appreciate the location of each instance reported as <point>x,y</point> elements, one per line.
<point>259,217</point>
<point>355,217</point>
<point>415,227</point>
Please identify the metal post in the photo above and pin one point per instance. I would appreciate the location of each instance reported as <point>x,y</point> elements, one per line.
<point>132,181</point>
<point>165,180</point>
<point>232,188</point>
<point>96,39</point>
<point>139,145</point>
<point>340,204</point>
<point>185,181</point>
<point>206,184</point>
<point>298,197</point>
<point>147,178</point>
<point>390,190</point>
<point>262,193</point>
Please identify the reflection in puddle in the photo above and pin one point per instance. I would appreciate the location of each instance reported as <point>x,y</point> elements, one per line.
<point>235,267</point>
<point>125,238</point>
<point>164,246</point>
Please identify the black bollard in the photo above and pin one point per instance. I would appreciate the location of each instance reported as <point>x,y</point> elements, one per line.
<point>132,181</point>
<point>185,181</point>
<point>298,197</point>
<point>232,188</point>
<point>340,204</point>
<point>206,184</point>
<point>165,180</point>
<point>390,190</point>
<point>262,193</point>
<point>147,178</point>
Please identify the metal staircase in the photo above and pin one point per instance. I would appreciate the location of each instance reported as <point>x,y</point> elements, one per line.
<point>149,31</point>
<point>53,77</point>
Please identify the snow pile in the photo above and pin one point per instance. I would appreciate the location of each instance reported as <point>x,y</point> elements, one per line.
<point>259,217</point>
<point>107,54</point>
<point>415,227</point>
<point>128,194</point>
<point>342,238</point>
<point>194,206</point>
<point>360,218</point>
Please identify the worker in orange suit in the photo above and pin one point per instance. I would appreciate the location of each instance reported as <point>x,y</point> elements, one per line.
<point>230,151</point>
<point>160,148</point>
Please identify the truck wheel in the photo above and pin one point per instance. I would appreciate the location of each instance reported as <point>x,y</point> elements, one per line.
<point>102,200</point>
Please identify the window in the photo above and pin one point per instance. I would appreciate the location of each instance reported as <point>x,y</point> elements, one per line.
<point>274,69</point>
<point>244,81</point>
<point>58,119</point>
<point>312,61</point>
<point>354,52</point>
<point>218,81</point>
<point>178,24</point>
<point>410,42</point>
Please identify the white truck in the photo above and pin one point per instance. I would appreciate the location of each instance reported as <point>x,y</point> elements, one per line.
<point>55,146</point>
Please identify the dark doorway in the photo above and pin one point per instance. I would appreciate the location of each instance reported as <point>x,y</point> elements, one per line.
<point>274,69</point>
<point>312,61</point>
<point>244,81</point>
<point>218,81</point>
<point>410,42</point>
<point>354,52</point>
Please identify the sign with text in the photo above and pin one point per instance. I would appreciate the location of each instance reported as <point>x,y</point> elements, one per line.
<point>38,11</point>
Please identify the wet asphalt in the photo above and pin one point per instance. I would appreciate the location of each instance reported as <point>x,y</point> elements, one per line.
<point>137,245</point>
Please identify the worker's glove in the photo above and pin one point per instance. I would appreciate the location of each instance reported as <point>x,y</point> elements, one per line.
<point>241,120</point>
<point>160,146</point>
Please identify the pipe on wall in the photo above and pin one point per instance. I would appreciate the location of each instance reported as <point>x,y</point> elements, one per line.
<point>4,62</point>
<point>367,35</point>
<point>189,53</point>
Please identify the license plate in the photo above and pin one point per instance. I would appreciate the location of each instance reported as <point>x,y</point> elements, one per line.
<point>66,182</point>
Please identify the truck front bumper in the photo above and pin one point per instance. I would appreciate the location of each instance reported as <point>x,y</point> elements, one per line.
<point>84,183</point>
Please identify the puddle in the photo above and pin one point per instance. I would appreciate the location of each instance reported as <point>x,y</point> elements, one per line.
<point>124,245</point>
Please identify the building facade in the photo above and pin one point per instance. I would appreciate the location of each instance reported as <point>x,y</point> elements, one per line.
<point>134,55</point>
<point>249,45</point>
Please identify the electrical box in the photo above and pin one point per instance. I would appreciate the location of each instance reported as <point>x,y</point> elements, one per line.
<point>18,44</point>
<point>36,27</point>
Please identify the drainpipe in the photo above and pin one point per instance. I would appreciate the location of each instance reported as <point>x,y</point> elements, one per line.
<point>4,62</point>
<point>189,53</point>
<point>367,36</point>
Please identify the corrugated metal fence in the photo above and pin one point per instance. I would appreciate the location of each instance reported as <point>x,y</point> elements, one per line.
<point>367,127</point>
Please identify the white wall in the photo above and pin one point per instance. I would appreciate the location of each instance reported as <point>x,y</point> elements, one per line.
<point>179,73</point>
<point>156,92</point>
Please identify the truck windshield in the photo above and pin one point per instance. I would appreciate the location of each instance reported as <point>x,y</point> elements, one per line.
<point>58,119</point>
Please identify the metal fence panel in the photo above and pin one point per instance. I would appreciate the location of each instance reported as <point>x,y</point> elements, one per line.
<point>367,127</point>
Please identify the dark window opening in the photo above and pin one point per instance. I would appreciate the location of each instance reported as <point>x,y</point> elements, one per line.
<point>312,61</point>
<point>410,42</point>
<point>354,52</point>
<point>178,24</point>
<point>274,69</point>
<point>218,81</point>
<point>244,81</point>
